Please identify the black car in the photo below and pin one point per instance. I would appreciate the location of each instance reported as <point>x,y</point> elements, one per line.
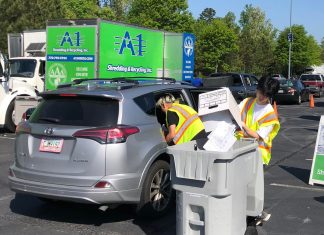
<point>292,91</point>
<point>241,85</point>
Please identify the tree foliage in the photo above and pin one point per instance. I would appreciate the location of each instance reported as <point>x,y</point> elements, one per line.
<point>322,50</point>
<point>304,50</point>
<point>257,41</point>
<point>214,41</point>
<point>19,15</point>
<point>221,44</point>
<point>208,15</point>
<point>169,15</point>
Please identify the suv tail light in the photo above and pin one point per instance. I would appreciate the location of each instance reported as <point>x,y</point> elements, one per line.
<point>291,90</point>
<point>23,127</point>
<point>113,135</point>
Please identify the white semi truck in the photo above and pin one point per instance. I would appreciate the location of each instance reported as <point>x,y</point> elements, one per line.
<point>22,74</point>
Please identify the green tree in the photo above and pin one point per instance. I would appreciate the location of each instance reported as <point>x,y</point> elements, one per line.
<point>304,50</point>
<point>322,50</point>
<point>213,41</point>
<point>19,15</point>
<point>257,41</point>
<point>208,15</point>
<point>232,60</point>
<point>169,15</point>
<point>119,8</point>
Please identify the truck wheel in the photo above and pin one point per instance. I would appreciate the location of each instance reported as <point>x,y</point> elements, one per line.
<point>157,194</point>
<point>10,117</point>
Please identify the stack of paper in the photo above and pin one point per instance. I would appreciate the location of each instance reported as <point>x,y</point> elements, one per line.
<point>222,138</point>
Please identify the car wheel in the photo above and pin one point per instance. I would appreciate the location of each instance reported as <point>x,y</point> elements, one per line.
<point>10,117</point>
<point>157,195</point>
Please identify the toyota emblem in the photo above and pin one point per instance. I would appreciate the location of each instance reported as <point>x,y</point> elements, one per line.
<point>48,131</point>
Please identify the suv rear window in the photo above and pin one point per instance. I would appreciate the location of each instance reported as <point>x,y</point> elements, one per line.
<point>76,111</point>
<point>310,77</point>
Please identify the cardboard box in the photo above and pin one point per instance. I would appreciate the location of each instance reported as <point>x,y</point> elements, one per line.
<point>218,105</point>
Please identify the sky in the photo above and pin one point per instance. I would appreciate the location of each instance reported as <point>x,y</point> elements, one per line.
<point>309,13</point>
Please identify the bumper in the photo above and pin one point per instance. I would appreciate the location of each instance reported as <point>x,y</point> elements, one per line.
<point>282,98</point>
<point>88,195</point>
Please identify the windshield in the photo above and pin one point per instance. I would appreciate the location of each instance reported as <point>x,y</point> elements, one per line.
<point>285,83</point>
<point>22,68</point>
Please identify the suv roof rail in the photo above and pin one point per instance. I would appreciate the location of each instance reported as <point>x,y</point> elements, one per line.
<point>132,80</point>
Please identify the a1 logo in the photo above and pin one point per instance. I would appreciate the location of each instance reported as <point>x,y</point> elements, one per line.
<point>72,41</point>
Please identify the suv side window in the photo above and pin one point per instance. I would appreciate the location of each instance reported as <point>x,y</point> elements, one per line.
<point>147,102</point>
<point>247,80</point>
<point>253,80</point>
<point>237,80</point>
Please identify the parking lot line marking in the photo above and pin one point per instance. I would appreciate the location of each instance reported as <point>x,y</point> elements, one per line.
<point>309,159</point>
<point>297,187</point>
<point>5,137</point>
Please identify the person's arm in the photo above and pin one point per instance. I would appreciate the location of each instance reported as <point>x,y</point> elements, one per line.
<point>250,132</point>
<point>261,134</point>
<point>172,120</point>
<point>171,133</point>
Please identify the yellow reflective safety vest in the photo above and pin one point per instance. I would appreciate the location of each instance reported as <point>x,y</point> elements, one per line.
<point>268,119</point>
<point>189,124</point>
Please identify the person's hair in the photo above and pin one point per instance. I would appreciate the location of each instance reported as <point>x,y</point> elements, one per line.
<point>167,98</point>
<point>268,86</point>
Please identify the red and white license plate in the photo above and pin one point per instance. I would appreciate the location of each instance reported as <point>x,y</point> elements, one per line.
<point>51,145</point>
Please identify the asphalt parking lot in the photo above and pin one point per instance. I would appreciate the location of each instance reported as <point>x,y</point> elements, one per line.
<point>296,207</point>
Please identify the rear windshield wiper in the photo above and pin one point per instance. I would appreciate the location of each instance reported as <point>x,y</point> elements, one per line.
<point>49,119</point>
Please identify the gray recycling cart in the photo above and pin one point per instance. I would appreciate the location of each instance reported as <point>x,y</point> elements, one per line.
<point>216,190</point>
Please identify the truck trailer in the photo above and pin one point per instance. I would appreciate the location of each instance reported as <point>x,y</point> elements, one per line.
<point>96,48</point>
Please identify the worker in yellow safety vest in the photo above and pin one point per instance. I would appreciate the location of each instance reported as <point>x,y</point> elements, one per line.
<point>182,122</point>
<point>260,121</point>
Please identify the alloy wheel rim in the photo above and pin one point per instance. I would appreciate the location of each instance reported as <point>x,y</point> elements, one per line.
<point>160,191</point>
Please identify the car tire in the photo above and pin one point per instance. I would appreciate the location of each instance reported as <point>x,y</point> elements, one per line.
<point>10,115</point>
<point>157,195</point>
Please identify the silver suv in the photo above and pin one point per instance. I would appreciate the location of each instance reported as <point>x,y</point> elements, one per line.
<point>99,142</point>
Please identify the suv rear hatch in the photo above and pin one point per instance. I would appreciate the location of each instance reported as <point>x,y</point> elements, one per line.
<point>49,150</point>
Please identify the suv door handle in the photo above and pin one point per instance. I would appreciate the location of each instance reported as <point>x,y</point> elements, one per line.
<point>240,92</point>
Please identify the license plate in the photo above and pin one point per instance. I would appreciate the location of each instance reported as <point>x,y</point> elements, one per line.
<point>51,145</point>
<point>280,91</point>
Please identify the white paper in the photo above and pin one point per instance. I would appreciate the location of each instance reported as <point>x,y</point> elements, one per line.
<point>222,138</point>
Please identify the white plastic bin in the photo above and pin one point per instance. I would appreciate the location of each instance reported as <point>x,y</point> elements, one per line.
<point>216,190</point>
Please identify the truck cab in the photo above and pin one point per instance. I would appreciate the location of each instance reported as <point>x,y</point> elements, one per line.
<point>27,72</point>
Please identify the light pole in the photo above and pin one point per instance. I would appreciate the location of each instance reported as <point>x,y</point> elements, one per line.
<point>290,38</point>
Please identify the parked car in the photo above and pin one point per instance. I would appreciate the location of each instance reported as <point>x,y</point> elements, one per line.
<point>293,91</point>
<point>241,85</point>
<point>99,142</point>
<point>315,82</point>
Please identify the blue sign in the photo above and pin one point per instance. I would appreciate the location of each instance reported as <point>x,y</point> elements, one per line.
<point>71,58</point>
<point>290,37</point>
<point>188,57</point>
